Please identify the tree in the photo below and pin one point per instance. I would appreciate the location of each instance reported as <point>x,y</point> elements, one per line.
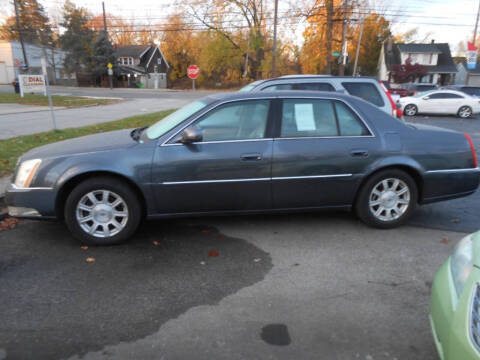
<point>408,72</point>
<point>77,38</point>
<point>102,55</point>
<point>34,24</point>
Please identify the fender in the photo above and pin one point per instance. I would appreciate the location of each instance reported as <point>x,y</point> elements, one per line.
<point>394,160</point>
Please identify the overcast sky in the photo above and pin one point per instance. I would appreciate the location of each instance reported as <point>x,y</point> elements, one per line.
<point>447,20</point>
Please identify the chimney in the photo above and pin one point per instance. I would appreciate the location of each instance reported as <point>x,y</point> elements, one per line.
<point>433,41</point>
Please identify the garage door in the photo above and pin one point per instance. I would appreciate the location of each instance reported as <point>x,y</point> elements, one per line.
<point>3,73</point>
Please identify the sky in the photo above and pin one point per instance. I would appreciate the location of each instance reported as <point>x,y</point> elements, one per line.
<point>444,20</point>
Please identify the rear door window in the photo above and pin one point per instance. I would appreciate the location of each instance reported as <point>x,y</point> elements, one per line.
<point>348,122</point>
<point>314,86</point>
<point>365,90</point>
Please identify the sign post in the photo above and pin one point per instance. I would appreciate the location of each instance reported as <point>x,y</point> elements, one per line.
<point>192,72</point>
<point>110,73</point>
<point>47,91</point>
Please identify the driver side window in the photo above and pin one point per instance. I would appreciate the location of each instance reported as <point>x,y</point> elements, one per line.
<point>241,120</point>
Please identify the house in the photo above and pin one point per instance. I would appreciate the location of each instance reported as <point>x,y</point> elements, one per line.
<point>436,57</point>
<point>473,74</point>
<point>144,64</point>
<point>11,61</point>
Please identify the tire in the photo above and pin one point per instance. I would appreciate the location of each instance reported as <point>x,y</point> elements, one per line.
<point>97,224</point>
<point>398,206</point>
<point>465,112</point>
<point>410,110</point>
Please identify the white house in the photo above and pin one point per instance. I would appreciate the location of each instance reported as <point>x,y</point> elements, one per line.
<point>11,61</point>
<point>436,57</point>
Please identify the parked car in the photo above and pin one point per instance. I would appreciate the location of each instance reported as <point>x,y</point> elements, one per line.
<point>455,303</point>
<point>247,153</point>
<point>445,102</point>
<point>467,89</point>
<point>369,89</point>
<point>395,91</point>
<point>415,88</point>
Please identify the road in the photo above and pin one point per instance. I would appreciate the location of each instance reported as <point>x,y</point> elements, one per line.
<point>135,102</point>
<point>304,286</point>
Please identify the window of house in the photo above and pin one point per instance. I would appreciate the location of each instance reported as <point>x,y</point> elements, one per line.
<point>159,61</point>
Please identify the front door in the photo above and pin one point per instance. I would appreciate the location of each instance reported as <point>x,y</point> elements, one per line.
<point>322,150</point>
<point>229,170</point>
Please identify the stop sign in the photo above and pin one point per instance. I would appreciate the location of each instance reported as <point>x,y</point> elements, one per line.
<point>193,71</point>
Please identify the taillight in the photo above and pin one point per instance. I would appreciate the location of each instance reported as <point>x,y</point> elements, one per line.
<point>472,147</point>
<point>392,103</point>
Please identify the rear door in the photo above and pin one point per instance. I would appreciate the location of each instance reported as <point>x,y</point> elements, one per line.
<point>321,149</point>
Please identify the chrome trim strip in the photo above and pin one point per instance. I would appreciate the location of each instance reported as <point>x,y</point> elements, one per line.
<point>311,177</point>
<point>15,188</point>
<point>255,179</point>
<point>448,171</point>
<point>213,181</point>
<point>221,142</point>
<point>372,133</point>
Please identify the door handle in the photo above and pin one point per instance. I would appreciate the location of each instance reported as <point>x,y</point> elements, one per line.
<point>359,153</point>
<point>251,157</point>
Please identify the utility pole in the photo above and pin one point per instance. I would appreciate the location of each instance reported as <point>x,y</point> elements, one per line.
<point>104,18</point>
<point>20,35</point>
<point>274,55</point>
<point>245,71</point>
<point>341,68</point>
<point>358,47</point>
<point>329,6</point>
<point>467,79</point>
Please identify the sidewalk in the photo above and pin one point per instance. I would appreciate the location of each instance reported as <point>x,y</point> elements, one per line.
<point>8,109</point>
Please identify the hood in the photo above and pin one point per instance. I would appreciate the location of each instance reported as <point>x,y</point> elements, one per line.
<point>85,144</point>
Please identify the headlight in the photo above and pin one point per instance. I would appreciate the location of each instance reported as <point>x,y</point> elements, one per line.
<point>26,171</point>
<point>461,263</point>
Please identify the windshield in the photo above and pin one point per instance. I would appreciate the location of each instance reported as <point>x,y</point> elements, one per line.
<point>250,87</point>
<point>169,122</point>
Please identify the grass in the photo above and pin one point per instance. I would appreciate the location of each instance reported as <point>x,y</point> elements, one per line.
<point>41,100</point>
<point>11,149</point>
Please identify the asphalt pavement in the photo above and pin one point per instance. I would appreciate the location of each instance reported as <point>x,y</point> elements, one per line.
<point>302,286</point>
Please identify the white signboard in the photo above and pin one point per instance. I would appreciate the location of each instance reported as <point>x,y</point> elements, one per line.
<point>304,118</point>
<point>32,84</point>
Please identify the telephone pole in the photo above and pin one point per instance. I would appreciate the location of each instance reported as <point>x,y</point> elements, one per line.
<point>20,35</point>
<point>358,47</point>
<point>341,68</point>
<point>274,55</point>
<point>104,18</point>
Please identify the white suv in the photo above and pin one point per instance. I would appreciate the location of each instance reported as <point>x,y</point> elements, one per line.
<point>369,89</point>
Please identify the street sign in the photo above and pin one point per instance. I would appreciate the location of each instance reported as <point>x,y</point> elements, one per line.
<point>44,66</point>
<point>110,72</point>
<point>109,65</point>
<point>193,71</point>
<point>32,84</point>
<point>336,53</point>
<point>471,56</point>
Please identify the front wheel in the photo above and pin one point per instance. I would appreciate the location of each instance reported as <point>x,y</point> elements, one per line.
<point>410,110</point>
<point>387,199</point>
<point>465,112</point>
<point>102,211</point>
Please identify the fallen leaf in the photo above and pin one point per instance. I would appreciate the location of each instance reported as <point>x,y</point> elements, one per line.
<point>8,223</point>
<point>84,247</point>
<point>157,243</point>
<point>445,241</point>
<point>456,220</point>
<point>206,231</point>
<point>90,260</point>
<point>202,262</point>
<point>257,259</point>
<point>213,253</point>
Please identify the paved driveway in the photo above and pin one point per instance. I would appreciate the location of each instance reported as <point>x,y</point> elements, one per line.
<point>303,286</point>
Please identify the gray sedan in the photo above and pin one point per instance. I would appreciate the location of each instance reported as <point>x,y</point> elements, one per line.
<point>245,153</point>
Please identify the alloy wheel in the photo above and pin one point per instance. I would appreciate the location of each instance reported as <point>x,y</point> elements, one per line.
<point>410,110</point>
<point>102,213</point>
<point>465,112</point>
<point>389,199</point>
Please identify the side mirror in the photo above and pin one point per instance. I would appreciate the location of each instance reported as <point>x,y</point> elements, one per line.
<point>426,98</point>
<point>191,134</point>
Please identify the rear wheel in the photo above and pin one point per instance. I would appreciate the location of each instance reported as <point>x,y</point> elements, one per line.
<point>465,112</point>
<point>102,211</point>
<point>387,199</point>
<point>410,110</point>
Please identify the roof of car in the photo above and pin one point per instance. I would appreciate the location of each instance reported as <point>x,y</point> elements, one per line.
<point>276,94</point>
<point>312,77</point>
